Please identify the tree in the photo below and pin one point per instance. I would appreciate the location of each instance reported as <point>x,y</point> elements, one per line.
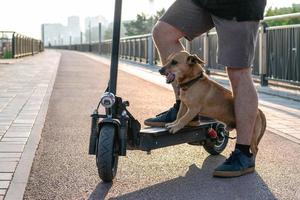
<point>280,11</point>
<point>142,24</point>
<point>108,33</point>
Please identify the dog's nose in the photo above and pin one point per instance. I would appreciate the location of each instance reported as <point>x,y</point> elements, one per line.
<point>162,71</point>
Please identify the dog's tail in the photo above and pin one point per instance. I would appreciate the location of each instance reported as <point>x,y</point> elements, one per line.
<point>263,126</point>
<point>259,130</point>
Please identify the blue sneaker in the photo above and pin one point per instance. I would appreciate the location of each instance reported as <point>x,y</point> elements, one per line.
<point>163,118</point>
<point>237,164</point>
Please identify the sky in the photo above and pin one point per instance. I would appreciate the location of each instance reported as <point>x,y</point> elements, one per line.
<point>26,16</point>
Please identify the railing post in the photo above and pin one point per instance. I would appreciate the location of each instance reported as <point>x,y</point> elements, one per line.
<point>100,37</point>
<point>13,43</point>
<point>263,55</point>
<point>150,50</point>
<point>140,48</point>
<point>129,49</point>
<point>70,42</point>
<point>146,49</point>
<point>80,40</point>
<point>32,48</point>
<point>206,51</point>
<point>134,49</point>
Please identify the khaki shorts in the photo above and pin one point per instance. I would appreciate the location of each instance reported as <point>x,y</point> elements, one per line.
<point>236,40</point>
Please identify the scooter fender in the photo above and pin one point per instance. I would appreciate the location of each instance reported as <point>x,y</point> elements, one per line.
<point>115,122</point>
<point>119,134</point>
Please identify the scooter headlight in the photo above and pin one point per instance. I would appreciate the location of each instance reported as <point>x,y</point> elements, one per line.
<point>108,99</point>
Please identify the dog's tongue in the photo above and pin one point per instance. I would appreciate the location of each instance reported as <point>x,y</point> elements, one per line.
<point>170,77</point>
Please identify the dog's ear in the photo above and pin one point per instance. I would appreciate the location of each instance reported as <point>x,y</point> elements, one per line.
<point>194,59</point>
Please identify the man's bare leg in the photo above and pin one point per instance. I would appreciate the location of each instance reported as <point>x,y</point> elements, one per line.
<point>245,103</point>
<point>241,161</point>
<point>166,39</point>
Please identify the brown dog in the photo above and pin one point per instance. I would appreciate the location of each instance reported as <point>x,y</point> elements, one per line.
<point>200,95</point>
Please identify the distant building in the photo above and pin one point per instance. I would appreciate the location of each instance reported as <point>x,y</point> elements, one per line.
<point>58,34</point>
<point>74,29</point>
<point>54,34</point>
<point>91,25</point>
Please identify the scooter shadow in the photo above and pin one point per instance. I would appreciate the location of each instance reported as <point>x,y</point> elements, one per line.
<point>198,183</point>
<point>100,191</point>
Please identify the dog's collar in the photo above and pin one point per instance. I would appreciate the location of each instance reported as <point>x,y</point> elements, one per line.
<point>186,85</point>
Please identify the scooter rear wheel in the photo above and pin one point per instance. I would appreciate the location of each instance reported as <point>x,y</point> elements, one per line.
<point>216,146</point>
<point>107,153</point>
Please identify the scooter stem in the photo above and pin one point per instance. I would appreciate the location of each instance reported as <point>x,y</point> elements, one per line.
<point>115,47</point>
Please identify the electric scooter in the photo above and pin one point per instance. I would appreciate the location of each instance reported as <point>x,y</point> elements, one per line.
<point>117,131</point>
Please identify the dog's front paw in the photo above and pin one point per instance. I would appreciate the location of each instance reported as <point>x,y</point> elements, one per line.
<point>169,125</point>
<point>175,128</point>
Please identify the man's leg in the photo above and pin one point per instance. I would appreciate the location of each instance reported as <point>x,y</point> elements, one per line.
<point>183,19</point>
<point>166,39</point>
<point>241,161</point>
<point>236,49</point>
<point>166,46</point>
<point>245,103</point>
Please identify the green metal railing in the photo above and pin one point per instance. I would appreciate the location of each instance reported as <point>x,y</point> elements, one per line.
<point>15,45</point>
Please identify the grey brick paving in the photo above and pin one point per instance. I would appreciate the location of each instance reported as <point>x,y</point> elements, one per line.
<point>8,166</point>
<point>5,176</point>
<point>23,86</point>
<point>4,184</point>
<point>14,140</point>
<point>14,148</point>
<point>10,155</point>
<point>9,159</point>
<point>2,191</point>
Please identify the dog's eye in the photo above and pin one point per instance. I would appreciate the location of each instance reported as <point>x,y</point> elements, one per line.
<point>174,62</point>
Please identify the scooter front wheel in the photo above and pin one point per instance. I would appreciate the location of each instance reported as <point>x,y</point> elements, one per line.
<point>107,153</point>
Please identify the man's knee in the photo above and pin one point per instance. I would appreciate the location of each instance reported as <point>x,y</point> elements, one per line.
<point>164,32</point>
<point>239,77</point>
<point>239,74</point>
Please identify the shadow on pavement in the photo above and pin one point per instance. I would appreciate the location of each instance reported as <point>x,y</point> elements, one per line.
<point>100,191</point>
<point>199,184</point>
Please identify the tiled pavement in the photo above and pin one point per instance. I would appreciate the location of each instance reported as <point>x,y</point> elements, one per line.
<point>282,114</point>
<point>23,86</point>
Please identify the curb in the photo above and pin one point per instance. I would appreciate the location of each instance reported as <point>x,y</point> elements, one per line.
<point>18,184</point>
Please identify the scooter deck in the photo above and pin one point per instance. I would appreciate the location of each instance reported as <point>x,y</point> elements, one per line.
<point>157,131</point>
<point>158,137</point>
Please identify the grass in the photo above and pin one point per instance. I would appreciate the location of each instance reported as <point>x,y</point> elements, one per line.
<point>7,54</point>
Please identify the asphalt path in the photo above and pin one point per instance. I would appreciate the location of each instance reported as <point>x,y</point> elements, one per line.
<point>62,168</point>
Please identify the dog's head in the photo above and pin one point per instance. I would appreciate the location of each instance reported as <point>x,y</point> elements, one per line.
<point>183,65</point>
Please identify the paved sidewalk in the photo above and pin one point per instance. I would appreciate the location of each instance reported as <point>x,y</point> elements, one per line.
<point>23,87</point>
<point>282,114</point>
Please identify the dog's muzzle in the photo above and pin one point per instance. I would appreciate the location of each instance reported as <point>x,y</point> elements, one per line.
<point>162,71</point>
<point>170,77</point>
